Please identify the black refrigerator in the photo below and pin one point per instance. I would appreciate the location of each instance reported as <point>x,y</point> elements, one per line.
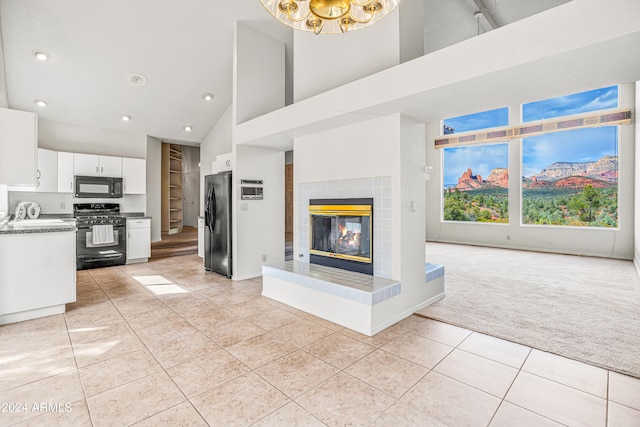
<point>217,223</point>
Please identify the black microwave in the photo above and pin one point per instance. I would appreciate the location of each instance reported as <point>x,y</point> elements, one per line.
<point>98,187</point>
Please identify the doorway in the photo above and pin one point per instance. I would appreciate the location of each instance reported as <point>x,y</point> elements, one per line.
<point>288,206</point>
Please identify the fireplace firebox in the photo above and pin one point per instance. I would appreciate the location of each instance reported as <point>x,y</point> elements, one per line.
<point>341,233</point>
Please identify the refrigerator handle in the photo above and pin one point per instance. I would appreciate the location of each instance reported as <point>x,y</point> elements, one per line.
<point>207,209</point>
<point>214,210</point>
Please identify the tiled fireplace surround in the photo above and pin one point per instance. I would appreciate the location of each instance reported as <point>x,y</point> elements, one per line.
<point>379,188</point>
<point>347,298</point>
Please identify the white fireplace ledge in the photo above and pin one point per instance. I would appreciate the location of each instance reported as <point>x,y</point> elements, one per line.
<point>362,288</point>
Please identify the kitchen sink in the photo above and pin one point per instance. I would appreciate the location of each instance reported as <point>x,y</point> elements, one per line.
<point>28,223</point>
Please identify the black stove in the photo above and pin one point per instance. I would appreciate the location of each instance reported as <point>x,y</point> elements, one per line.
<point>87,214</point>
<point>101,237</point>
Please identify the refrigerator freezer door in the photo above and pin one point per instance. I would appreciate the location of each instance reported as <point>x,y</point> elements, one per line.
<point>217,256</point>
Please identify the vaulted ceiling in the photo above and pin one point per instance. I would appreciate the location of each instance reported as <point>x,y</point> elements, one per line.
<point>181,50</point>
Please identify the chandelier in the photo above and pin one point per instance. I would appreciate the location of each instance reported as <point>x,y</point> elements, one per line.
<point>328,16</point>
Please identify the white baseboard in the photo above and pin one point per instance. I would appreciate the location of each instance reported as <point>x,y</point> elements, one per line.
<point>406,314</point>
<point>245,276</point>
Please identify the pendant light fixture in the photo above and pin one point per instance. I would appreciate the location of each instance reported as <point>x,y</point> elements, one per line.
<point>329,16</point>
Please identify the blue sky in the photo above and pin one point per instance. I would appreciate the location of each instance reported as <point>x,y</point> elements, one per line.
<point>593,100</point>
<point>483,120</point>
<point>581,145</point>
<point>480,158</point>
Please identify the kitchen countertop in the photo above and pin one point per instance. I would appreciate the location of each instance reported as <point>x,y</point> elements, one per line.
<point>43,225</point>
<point>139,215</point>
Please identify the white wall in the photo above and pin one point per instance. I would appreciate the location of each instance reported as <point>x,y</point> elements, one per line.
<point>592,241</point>
<point>4,98</point>
<point>258,224</point>
<point>362,150</point>
<point>154,186</point>
<point>411,30</point>
<point>636,232</point>
<point>4,103</point>
<point>259,73</point>
<point>59,136</point>
<point>219,141</point>
<point>323,62</point>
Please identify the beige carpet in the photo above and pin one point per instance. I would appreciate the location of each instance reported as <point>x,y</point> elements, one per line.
<point>584,308</point>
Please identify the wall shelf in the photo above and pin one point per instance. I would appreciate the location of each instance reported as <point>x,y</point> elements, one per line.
<point>171,188</point>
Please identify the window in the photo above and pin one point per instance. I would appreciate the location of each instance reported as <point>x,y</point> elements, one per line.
<point>570,178</point>
<point>476,121</point>
<point>476,183</point>
<point>583,102</point>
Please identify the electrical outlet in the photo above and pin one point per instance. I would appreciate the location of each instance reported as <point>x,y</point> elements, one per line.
<point>63,205</point>
<point>508,237</point>
<point>264,258</point>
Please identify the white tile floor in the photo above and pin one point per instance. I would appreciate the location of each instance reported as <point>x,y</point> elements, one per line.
<point>165,343</point>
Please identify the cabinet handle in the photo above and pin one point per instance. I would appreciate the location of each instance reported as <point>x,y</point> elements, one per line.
<point>38,175</point>
<point>101,169</point>
<point>97,170</point>
<point>71,185</point>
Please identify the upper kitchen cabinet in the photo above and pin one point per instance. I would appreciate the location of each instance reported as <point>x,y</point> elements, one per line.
<point>94,165</point>
<point>65,172</point>
<point>134,175</point>
<point>18,136</point>
<point>47,174</point>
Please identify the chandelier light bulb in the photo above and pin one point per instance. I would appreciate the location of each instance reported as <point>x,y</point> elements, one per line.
<point>328,16</point>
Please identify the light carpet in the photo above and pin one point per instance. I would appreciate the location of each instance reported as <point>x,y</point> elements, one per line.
<point>583,308</point>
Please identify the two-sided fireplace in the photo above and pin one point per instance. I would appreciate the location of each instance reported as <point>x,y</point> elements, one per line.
<point>341,233</point>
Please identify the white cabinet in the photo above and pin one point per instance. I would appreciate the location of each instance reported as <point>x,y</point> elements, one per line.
<point>94,165</point>
<point>138,240</point>
<point>65,172</point>
<point>134,175</point>
<point>46,173</point>
<point>18,144</point>
<point>38,274</point>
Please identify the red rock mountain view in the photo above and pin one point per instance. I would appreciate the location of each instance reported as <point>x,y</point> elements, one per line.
<point>600,174</point>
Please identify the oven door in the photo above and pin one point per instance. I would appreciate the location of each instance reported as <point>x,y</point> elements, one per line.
<point>94,248</point>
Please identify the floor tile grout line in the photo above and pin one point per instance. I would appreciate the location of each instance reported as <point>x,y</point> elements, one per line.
<point>502,400</point>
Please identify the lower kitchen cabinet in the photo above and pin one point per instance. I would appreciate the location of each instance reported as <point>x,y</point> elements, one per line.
<point>138,240</point>
<point>38,274</point>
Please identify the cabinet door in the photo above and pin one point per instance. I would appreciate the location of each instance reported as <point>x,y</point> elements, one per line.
<point>18,144</point>
<point>65,172</point>
<point>134,176</point>
<point>111,166</point>
<point>138,238</point>
<point>47,171</point>
<point>86,164</point>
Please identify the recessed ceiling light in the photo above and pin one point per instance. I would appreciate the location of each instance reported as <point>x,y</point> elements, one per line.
<point>126,118</point>
<point>188,128</point>
<point>41,55</point>
<point>40,102</point>
<point>137,79</point>
<point>207,96</point>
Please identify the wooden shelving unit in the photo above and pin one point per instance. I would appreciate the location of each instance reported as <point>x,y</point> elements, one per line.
<point>171,188</point>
